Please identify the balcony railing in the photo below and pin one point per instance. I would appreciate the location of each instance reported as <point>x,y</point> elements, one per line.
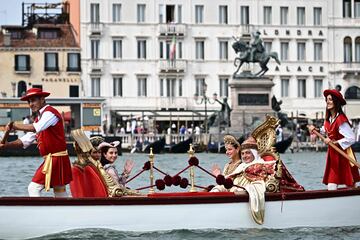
<point>97,65</point>
<point>96,28</point>
<point>350,67</point>
<point>245,30</point>
<point>172,28</point>
<point>172,65</point>
<point>173,102</point>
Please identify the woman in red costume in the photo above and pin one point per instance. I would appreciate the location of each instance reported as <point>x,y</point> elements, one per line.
<point>337,127</point>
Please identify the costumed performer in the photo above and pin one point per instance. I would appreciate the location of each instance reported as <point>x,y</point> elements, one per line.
<point>48,131</point>
<point>338,169</point>
<point>232,147</point>
<point>109,154</point>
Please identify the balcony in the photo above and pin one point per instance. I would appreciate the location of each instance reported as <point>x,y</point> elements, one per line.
<point>96,29</point>
<point>245,30</point>
<point>342,22</point>
<point>172,66</point>
<point>171,29</point>
<point>347,68</point>
<point>173,102</point>
<point>96,65</point>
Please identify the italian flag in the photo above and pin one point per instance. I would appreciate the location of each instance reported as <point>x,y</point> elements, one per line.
<point>173,48</point>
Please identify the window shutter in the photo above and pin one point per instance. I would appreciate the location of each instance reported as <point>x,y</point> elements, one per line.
<point>56,59</point>
<point>16,62</point>
<point>28,62</point>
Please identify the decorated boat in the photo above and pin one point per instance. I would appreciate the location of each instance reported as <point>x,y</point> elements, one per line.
<point>98,202</point>
<point>24,217</point>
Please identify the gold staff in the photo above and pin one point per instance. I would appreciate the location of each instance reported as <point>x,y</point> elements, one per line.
<point>151,159</point>
<point>192,171</point>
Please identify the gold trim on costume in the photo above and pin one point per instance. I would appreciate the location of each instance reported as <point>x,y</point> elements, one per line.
<point>350,153</point>
<point>47,167</point>
<point>231,166</point>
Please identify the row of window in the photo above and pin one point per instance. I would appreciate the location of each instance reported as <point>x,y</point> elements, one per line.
<point>284,16</point>
<point>301,88</point>
<point>166,48</point>
<point>51,63</point>
<point>21,87</point>
<point>41,34</point>
<point>173,87</point>
<point>169,87</point>
<point>173,13</point>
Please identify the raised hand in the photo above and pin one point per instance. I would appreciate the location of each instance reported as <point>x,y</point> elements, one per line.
<point>216,170</point>
<point>129,165</point>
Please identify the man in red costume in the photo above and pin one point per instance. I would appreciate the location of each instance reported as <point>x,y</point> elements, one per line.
<point>48,130</point>
<point>337,127</point>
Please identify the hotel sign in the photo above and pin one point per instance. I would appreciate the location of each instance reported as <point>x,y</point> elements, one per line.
<point>299,69</point>
<point>299,32</point>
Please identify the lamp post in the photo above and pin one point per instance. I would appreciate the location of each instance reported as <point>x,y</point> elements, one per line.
<point>203,99</point>
<point>13,87</point>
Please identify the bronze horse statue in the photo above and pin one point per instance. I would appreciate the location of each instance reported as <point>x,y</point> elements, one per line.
<point>262,58</point>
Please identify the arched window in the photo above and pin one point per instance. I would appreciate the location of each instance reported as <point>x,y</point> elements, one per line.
<point>347,50</point>
<point>357,49</point>
<point>352,93</point>
<point>21,88</point>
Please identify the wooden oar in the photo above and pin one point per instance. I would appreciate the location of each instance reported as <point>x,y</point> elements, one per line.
<point>6,134</point>
<point>353,161</point>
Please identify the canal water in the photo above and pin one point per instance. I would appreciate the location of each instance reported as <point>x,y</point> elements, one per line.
<point>306,167</point>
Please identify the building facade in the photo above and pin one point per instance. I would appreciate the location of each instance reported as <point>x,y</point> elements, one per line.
<point>151,57</point>
<point>41,53</point>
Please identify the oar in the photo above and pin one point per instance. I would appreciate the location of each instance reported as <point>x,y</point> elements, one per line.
<point>353,161</point>
<point>6,134</point>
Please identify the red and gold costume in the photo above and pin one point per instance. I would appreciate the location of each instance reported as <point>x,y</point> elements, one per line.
<point>338,169</point>
<point>52,141</point>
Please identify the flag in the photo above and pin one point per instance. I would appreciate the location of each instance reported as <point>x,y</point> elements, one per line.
<point>173,48</point>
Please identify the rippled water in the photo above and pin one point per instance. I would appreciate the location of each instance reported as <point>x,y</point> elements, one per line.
<point>306,167</point>
<point>290,234</point>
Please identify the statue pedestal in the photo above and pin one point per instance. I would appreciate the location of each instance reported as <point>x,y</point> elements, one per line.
<point>251,101</point>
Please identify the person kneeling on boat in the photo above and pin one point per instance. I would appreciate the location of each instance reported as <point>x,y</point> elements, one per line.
<point>232,147</point>
<point>48,130</point>
<point>339,170</point>
<point>109,154</point>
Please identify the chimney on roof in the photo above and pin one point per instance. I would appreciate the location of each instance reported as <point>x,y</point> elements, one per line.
<point>7,39</point>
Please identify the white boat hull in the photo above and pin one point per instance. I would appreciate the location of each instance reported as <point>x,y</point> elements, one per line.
<point>36,217</point>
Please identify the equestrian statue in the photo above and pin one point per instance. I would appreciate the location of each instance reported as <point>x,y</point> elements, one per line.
<point>253,53</point>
